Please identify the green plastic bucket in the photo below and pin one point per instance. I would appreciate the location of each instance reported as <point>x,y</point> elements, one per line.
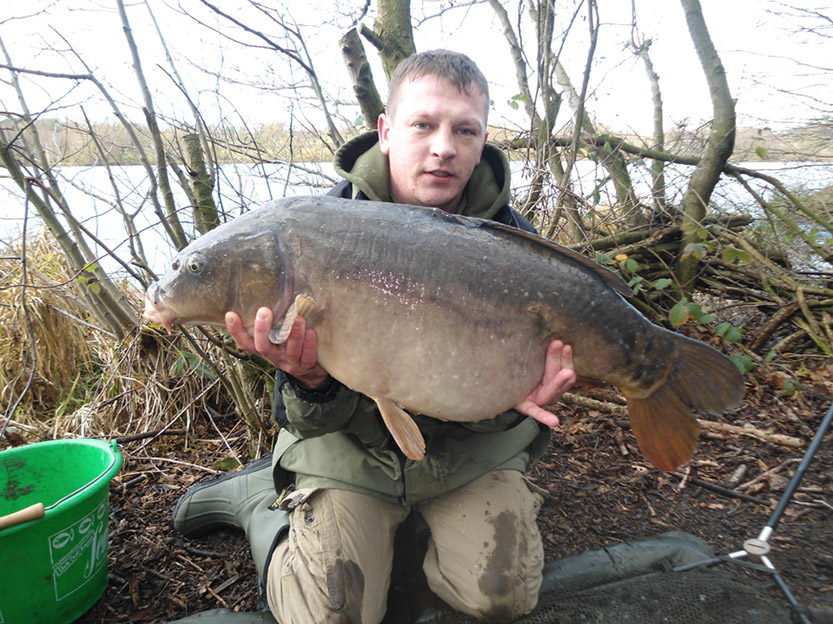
<point>53,568</point>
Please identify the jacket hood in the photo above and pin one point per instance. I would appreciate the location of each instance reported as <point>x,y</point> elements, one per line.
<point>362,163</point>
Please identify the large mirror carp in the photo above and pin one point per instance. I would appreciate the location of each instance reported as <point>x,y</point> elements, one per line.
<point>446,316</point>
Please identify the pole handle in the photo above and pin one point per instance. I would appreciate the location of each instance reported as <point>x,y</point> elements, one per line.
<point>32,512</point>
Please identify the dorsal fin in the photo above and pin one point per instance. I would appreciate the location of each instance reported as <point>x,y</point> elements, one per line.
<point>606,275</point>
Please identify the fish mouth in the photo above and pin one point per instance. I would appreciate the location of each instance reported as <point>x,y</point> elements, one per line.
<point>159,313</point>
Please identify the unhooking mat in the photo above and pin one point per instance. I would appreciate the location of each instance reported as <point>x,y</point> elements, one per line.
<point>628,583</point>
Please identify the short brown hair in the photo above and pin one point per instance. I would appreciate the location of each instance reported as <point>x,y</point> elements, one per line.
<point>455,67</point>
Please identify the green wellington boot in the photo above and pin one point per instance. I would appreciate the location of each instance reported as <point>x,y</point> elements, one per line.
<point>242,500</point>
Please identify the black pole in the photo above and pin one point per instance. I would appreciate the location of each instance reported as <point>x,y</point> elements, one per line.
<point>799,473</point>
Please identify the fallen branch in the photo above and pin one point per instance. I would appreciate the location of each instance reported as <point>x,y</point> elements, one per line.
<point>580,400</point>
<point>748,430</point>
<point>719,489</point>
<point>148,434</point>
<point>764,475</point>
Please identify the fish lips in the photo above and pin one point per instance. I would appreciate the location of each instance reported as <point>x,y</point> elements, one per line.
<point>155,310</point>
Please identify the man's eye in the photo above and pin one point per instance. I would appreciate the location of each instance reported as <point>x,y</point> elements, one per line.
<point>466,131</point>
<point>421,125</point>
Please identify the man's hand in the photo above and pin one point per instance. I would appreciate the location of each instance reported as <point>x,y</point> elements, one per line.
<point>559,377</point>
<point>297,356</point>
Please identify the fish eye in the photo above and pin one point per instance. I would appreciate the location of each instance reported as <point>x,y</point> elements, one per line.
<point>194,264</point>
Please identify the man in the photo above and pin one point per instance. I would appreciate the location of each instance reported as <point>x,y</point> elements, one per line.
<point>326,554</point>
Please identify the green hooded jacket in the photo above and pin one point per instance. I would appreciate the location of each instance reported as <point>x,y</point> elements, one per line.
<point>335,437</point>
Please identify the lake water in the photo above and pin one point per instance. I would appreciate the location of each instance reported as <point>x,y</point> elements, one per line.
<point>92,193</point>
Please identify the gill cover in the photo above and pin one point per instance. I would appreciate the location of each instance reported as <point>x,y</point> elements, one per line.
<point>260,276</point>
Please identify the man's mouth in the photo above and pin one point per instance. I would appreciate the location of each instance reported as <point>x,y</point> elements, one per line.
<point>440,174</point>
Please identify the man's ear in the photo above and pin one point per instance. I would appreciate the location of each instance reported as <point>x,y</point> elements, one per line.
<point>383,125</point>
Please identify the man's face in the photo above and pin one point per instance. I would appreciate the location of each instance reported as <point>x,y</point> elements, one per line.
<point>433,140</point>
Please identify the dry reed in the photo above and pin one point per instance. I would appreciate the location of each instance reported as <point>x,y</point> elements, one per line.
<point>86,383</point>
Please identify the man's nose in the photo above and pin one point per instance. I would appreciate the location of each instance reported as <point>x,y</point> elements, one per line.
<point>442,145</point>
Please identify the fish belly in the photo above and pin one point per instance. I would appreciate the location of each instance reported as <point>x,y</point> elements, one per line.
<point>449,362</point>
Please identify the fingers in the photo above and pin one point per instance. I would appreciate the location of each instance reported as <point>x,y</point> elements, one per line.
<point>295,342</point>
<point>559,375</point>
<point>261,329</point>
<point>529,408</point>
<point>309,353</point>
<point>234,326</point>
<point>297,355</point>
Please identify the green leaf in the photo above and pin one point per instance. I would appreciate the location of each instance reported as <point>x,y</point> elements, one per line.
<point>679,314</point>
<point>728,332</point>
<point>663,283</point>
<point>177,366</point>
<point>695,251</point>
<point>790,386</point>
<point>729,255</point>
<point>632,265</point>
<point>198,366</point>
<point>761,151</point>
<point>228,463</point>
<point>694,309</point>
<point>744,362</point>
<point>603,258</point>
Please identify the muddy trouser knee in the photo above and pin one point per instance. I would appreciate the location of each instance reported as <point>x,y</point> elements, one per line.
<point>335,563</point>
<point>485,556</point>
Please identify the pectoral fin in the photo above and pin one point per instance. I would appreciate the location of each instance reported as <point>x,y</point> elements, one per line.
<point>403,428</point>
<point>302,306</point>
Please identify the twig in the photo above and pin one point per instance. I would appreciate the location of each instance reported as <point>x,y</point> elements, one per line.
<point>771,438</point>
<point>148,434</point>
<point>768,473</point>
<point>603,406</point>
<point>123,486</point>
<point>180,463</point>
<point>227,583</point>
<point>211,554</point>
<point>737,475</point>
<point>717,489</point>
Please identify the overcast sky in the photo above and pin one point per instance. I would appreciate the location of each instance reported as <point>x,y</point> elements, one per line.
<point>779,75</point>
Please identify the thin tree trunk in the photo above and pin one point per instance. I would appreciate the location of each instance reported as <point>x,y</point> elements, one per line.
<point>361,75</point>
<point>180,239</point>
<point>205,210</point>
<point>718,147</point>
<point>393,29</point>
<point>577,231</point>
<point>658,140</point>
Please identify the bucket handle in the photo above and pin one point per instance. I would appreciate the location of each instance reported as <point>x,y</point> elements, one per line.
<point>32,512</point>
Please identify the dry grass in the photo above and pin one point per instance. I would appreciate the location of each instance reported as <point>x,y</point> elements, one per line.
<point>86,383</point>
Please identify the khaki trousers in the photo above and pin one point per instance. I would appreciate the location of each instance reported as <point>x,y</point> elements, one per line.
<point>485,556</point>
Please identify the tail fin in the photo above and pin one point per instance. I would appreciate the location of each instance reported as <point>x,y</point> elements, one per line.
<point>701,379</point>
